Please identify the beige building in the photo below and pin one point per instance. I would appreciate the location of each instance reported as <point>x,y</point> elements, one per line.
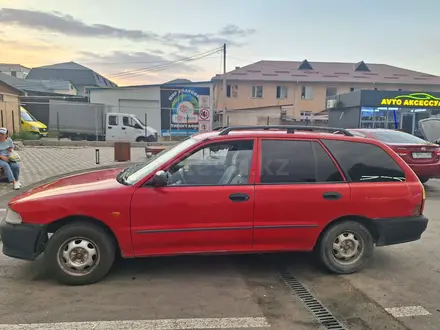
<point>10,107</point>
<point>300,89</point>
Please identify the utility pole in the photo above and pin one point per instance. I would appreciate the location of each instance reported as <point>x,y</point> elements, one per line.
<point>224,85</point>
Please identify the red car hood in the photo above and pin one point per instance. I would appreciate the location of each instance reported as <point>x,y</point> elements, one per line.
<point>81,183</point>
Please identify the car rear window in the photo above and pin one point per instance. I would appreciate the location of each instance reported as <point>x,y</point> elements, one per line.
<point>292,161</point>
<point>364,162</point>
<point>397,137</point>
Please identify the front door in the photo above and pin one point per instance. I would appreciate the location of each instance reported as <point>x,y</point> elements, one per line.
<point>207,205</point>
<point>298,192</point>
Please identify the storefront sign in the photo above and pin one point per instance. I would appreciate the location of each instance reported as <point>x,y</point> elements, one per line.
<point>180,109</point>
<point>423,100</point>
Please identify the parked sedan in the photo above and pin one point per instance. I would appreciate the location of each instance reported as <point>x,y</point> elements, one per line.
<point>422,156</point>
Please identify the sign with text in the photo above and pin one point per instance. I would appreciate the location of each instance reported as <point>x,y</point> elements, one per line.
<point>180,109</point>
<point>413,100</point>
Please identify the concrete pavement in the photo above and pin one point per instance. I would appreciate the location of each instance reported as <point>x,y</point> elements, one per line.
<point>39,163</point>
<point>233,292</point>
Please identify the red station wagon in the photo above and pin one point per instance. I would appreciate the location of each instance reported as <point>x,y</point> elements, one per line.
<point>236,190</point>
<point>422,156</point>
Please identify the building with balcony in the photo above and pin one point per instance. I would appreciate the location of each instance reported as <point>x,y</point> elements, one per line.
<point>301,89</point>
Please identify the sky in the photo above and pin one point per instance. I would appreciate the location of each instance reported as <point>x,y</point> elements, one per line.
<point>151,41</point>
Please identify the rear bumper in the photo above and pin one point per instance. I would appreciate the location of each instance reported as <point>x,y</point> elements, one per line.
<point>426,170</point>
<point>23,241</point>
<point>400,230</point>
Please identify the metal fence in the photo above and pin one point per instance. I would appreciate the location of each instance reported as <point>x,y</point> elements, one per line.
<point>89,121</point>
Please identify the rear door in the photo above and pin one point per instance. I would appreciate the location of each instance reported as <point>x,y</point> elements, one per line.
<point>299,190</point>
<point>378,187</point>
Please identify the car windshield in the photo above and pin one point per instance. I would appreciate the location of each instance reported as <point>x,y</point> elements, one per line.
<point>134,173</point>
<point>397,137</point>
<point>27,116</point>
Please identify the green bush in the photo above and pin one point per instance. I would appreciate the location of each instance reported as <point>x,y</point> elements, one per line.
<point>23,135</point>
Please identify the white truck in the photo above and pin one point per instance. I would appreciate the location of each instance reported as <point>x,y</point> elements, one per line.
<point>92,122</point>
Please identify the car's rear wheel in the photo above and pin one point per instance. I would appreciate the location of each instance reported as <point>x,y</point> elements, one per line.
<point>423,179</point>
<point>80,253</point>
<point>345,247</point>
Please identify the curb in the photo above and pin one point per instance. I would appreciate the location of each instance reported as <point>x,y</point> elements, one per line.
<point>14,193</point>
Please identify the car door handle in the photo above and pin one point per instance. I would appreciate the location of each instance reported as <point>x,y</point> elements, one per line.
<point>331,195</point>
<point>239,197</point>
<point>109,127</point>
<point>123,127</point>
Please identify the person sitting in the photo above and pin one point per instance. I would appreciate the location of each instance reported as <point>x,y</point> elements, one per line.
<point>10,169</point>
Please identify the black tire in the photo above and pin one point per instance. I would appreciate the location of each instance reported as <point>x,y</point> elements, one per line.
<point>423,179</point>
<point>151,138</point>
<point>101,239</point>
<point>326,252</point>
<point>141,139</point>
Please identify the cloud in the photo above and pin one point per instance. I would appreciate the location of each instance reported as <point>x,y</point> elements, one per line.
<point>234,30</point>
<point>58,22</point>
<point>120,64</point>
<point>67,24</point>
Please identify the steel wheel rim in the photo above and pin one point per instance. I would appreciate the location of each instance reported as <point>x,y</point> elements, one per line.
<point>78,256</point>
<point>347,248</point>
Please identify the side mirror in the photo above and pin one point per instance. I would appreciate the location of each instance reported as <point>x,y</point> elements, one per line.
<point>160,179</point>
<point>137,126</point>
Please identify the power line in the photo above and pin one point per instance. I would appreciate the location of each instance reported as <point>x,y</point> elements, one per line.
<point>161,67</point>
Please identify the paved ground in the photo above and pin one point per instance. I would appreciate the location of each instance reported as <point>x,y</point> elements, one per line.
<point>39,163</point>
<point>228,292</point>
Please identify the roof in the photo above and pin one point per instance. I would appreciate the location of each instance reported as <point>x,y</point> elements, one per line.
<point>22,84</point>
<point>305,71</point>
<point>19,91</point>
<point>168,84</point>
<point>178,81</point>
<point>77,74</point>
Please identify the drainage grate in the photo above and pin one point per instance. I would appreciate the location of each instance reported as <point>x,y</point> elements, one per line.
<point>319,311</point>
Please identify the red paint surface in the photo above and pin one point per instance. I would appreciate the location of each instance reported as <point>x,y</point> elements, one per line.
<point>174,212</point>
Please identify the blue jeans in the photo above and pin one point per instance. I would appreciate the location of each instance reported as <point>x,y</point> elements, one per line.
<point>11,170</point>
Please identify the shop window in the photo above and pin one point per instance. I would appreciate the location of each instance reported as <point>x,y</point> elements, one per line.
<point>257,92</point>
<point>306,93</point>
<point>281,92</point>
<point>331,91</point>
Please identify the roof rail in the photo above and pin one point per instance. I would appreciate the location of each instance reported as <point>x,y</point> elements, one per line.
<point>219,128</point>
<point>288,128</point>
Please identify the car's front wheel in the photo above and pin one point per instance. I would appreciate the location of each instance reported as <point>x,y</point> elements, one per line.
<point>80,253</point>
<point>345,247</point>
<point>423,179</point>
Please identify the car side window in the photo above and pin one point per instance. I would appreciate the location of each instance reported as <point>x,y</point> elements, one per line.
<point>224,163</point>
<point>364,162</point>
<point>113,120</point>
<point>293,161</point>
<point>128,121</point>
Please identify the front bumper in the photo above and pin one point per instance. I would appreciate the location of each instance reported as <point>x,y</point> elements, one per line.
<point>23,241</point>
<point>400,230</point>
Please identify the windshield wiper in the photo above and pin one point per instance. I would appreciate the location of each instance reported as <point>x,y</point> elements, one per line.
<point>125,173</point>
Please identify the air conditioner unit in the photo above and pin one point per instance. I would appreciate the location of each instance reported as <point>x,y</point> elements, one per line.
<point>331,103</point>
